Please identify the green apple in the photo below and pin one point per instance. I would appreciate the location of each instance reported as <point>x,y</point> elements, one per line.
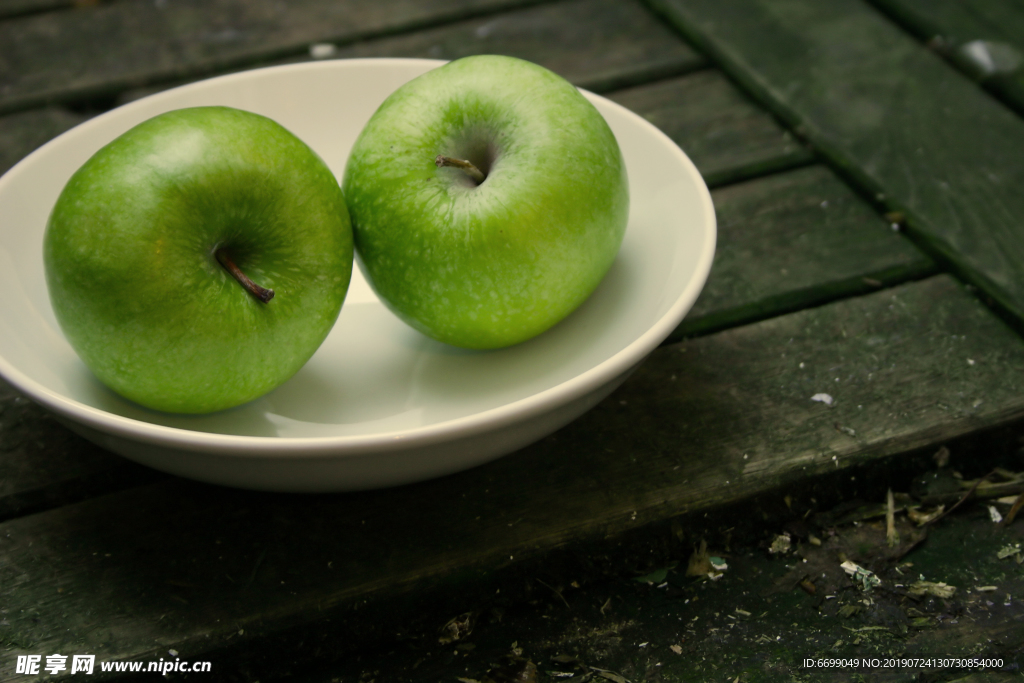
<point>199,260</point>
<point>488,199</point>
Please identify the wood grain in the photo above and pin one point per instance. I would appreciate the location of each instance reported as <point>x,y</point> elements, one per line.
<point>889,114</point>
<point>705,423</point>
<point>984,38</point>
<point>98,51</point>
<point>727,136</point>
<point>599,45</point>
<point>14,8</point>
<point>43,465</point>
<point>793,240</point>
<point>23,132</point>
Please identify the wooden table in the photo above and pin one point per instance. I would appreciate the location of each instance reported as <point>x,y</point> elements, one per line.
<point>865,160</point>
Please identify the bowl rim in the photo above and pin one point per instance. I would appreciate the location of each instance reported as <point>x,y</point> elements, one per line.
<point>507,414</point>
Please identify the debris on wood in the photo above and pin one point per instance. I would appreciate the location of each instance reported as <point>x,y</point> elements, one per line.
<point>718,567</point>
<point>583,672</point>
<point>847,611</point>
<point>972,487</point>
<point>994,514</point>
<point>865,577</point>
<point>1012,550</point>
<point>781,544</point>
<point>1014,509</point>
<point>860,513</point>
<point>559,593</point>
<point>892,538</point>
<point>654,578</point>
<point>512,669</point>
<point>609,675</point>
<point>322,50</point>
<point>845,430</point>
<point>997,483</point>
<point>920,517</point>
<point>457,628</point>
<point>919,589</point>
<point>896,219</point>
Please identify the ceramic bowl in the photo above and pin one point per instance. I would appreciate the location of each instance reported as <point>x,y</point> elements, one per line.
<point>378,404</point>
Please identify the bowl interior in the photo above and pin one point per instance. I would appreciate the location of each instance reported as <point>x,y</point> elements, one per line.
<point>373,377</point>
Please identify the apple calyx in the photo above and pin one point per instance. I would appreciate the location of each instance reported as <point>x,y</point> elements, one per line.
<point>261,293</point>
<point>467,166</point>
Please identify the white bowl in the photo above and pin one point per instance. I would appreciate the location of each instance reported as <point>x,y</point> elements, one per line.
<point>378,404</point>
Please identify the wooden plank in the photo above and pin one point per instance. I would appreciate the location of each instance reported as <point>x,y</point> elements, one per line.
<point>594,43</point>
<point>599,45</point>
<point>42,464</point>
<point>726,135</point>
<point>62,56</point>
<point>890,114</point>
<point>985,38</point>
<point>23,132</point>
<point>794,240</point>
<point>14,8</point>
<point>709,422</point>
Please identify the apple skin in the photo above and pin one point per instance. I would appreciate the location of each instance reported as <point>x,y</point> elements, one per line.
<point>489,265</point>
<point>130,266</point>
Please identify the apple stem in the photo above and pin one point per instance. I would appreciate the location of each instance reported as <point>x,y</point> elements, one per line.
<point>462,164</point>
<point>261,293</point>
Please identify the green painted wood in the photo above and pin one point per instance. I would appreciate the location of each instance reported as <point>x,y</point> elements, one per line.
<point>596,44</point>
<point>43,465</point>
<point>890,114</point>
<point>197,568</point>
<point>727,136</point>
<point>599,45</point>
<point>95,52</point>
<point>795,240</point>
<point>985,38</point>
<point>23,132</point>
<point>14,8</point>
